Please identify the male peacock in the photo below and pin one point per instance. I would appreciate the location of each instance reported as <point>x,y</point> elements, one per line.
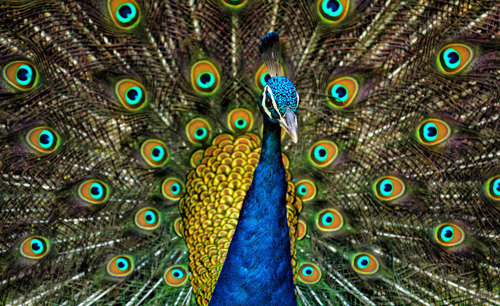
<point>130,135</point>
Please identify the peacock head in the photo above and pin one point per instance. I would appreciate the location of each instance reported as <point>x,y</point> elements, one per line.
<point>280,102</point>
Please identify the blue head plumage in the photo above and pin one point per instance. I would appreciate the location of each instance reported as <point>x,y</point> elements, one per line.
<point>279,100</point>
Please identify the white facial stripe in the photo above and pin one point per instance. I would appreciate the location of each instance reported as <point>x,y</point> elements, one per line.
<point>275,105</point>
<point>264,94</point>
<point>298,99</point>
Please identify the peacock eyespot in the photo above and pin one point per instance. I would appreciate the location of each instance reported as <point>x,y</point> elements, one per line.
<point>147,218</point>
<point>34,247</point>
<point>453,58</point>
<point>124,13</point>
<point>302,230</point>
<point>43,139</point>
<point>493,188</point>
<point>365,263</point>
<point>323,153</point>
<point>342,92</point>
<point>22,75</point>
<point>154,152</point>
<point>388,188</point>
<point>329,220</point>
<point>176,276</point>
<point>262,77</point>
<point>172,188</point>
<point>240,120</point>
<point>449,234</point>
<point>198,131</point>
<point>433,131</point>
<point>309,273</point>
<point>94,191</point>
<point>205,77</point>
<point>196,158</point>
<point>131,94</point>
<point>306,190</point>
<point>332,11</point>
<point>120,266</point>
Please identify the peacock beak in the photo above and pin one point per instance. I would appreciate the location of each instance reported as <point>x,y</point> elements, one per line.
<point>289,122</point>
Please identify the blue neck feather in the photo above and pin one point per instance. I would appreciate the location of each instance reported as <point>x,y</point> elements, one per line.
<point>258,268</point>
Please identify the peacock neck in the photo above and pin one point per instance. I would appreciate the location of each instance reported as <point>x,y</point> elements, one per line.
<point>258,268</point>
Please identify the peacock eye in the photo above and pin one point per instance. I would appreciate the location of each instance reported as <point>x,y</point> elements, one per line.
<point>493,187</point>
<point>388,188</point>
<point>154,152</point>
<point>172,188</point>
<point>454,58</point>
<point>43,139</point>
<point>365,263</point>
<point>332,11</point>
<point>120,266</point>
<point>449,234</point>
<point>198,131</point>
<point>302,229</point>
<point>205,77</point>
<point>309,273</point>
<point>329,220</point>
<point>131,94</point>
<point>342,91</point>
<point>125,13</point>
<point>176,276</point>
<point>34,247</point>
<point>323,153</point>
<point>433,131</point>
<point>147,218</point>
<point>196,158</point>
<point>306,190</point>
<point>261,77</point>
<point>21,74</point>
<point>93,191</point>
<point>240,120</point>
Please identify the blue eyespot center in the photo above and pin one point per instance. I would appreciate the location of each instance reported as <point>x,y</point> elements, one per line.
<point>451,58</point>
<point>24,74</point>
<point>46,139</point>
<point>302,190</point>
<point>363,262</point>
<point>386,187</point>
<point>308,271</point>
<point>430,131</point>
<point>264,78</point>
<point>332,7</point>
<point>150,217</point>
<point>134,95</point>
<point>176,188</point>
<point>126,13</point>
<point>96,190</point>
<point>122,264</point>
<point>200,133</point>
<point>320,153</point>
<point>339,92</point>
<point>206,80</point>
<point>496,187</point>
<point>447,233</point>
<point>177,273</point>
<point>157,153</point>
<point>36,246</point>
<point>241,123</point>
<point>327,219</point>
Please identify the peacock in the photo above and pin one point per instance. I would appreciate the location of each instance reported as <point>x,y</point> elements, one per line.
<point>249,152</point>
